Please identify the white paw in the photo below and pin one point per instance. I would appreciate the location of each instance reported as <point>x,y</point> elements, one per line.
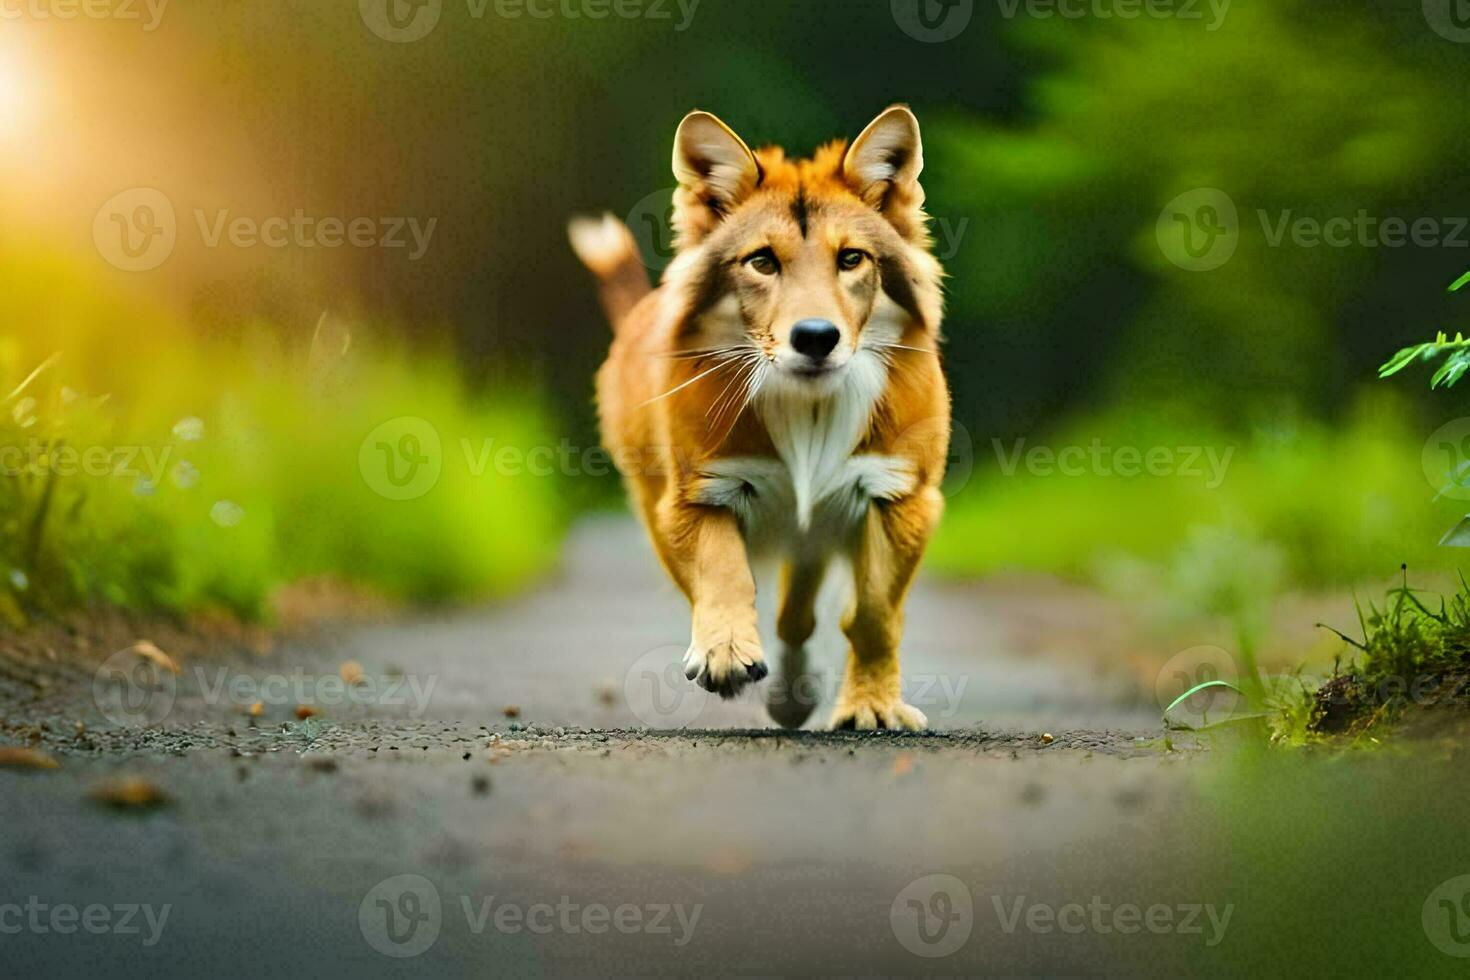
<point>725,664</point>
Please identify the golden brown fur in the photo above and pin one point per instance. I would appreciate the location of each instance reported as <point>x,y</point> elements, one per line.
<point>730,441</point>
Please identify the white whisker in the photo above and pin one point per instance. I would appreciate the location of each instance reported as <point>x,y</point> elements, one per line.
<point>728,385</point>
<point>920,350</point>
<point>708,371</point>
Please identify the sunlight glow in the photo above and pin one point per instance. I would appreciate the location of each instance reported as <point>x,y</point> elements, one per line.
<point>16,97</point>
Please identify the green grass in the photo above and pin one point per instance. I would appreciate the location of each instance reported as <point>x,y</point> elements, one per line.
<point>243,469</point>
<point>1338,504</point>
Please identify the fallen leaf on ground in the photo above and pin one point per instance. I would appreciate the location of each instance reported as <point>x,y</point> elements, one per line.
<point>727,861</point>
<point>149,652</point>
<point>130,793</point>
<point>17,758</point>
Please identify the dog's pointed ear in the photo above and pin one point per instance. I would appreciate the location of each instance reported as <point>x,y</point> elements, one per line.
<point>882,167</point>
<point>715,170</point>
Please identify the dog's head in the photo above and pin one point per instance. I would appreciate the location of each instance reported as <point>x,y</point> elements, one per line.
<point>813,263</point>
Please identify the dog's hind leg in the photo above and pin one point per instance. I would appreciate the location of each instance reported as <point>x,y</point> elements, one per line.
<point>793,696</point>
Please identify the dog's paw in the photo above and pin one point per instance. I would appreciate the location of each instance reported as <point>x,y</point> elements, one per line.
<point>866,713</point>
<point>724,663</point>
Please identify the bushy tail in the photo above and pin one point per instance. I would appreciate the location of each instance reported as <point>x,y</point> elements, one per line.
<point>606,246</point>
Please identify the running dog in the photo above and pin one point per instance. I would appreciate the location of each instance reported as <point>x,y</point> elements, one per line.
<point>780,395</point>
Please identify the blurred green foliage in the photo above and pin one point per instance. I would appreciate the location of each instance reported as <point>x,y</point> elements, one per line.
<point>160,475</point>
<point>1340,504</point>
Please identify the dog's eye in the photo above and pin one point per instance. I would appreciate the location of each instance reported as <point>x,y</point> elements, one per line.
<point>850,258</point>
<point>764,262</point>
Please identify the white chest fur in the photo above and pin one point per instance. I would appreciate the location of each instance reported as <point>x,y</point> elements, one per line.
<point>816,491</point>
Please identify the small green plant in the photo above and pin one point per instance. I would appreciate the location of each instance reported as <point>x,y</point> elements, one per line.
<point>1410,653</point>
<point>1456,351</point>
<point>1456,354</point>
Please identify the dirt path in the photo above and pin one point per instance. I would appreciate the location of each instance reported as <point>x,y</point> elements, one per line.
<point>621,822</point>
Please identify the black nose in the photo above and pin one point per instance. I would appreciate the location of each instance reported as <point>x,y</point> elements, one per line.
<point>815,338</point>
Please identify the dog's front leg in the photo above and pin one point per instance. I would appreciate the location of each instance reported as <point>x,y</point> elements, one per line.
<point>705,552</point>
<point>885,558</point>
